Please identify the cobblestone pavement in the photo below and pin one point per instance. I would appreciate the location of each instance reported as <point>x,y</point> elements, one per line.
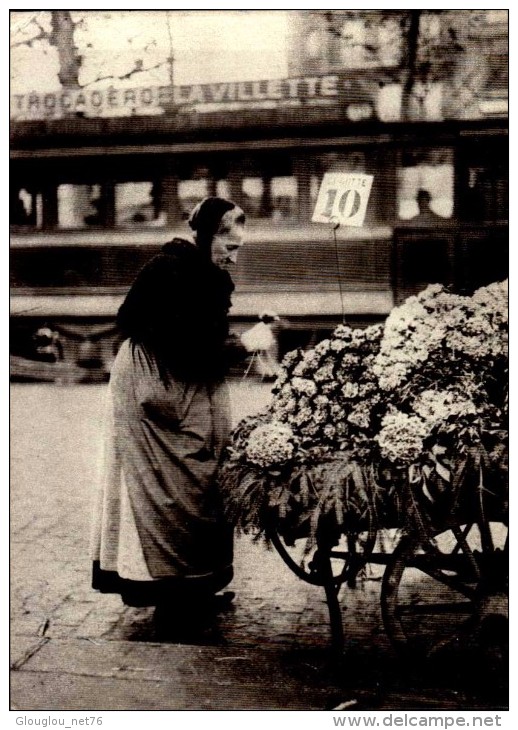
<point>56,435</point>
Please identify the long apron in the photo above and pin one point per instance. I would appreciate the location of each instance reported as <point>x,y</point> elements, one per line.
<point>158,525</point>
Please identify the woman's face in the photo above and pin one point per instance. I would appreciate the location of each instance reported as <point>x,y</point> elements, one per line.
<point>229,239</point>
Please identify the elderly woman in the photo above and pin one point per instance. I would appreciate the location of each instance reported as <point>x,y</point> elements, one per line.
<point>160,538</point>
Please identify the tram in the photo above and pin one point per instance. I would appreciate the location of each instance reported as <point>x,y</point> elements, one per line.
<point>92,199</point>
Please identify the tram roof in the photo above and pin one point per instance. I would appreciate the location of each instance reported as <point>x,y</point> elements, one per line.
<point>226,132</point>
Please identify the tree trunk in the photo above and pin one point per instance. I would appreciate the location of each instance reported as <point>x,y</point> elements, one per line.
<point>62,37</point>
<point>411,57</point>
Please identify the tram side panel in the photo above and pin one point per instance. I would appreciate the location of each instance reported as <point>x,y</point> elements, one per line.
<point>71,293</point>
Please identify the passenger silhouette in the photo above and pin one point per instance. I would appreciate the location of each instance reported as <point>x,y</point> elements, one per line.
<point>426,214</point>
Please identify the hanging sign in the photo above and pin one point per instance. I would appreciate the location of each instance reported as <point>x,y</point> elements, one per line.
<point>343,198</point>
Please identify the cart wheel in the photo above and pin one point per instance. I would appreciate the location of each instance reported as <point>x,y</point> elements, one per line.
<point>324,564</point>
<point>440,593</point>
<point>347,556</point>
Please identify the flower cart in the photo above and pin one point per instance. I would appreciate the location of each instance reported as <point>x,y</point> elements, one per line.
<point>388,446</point>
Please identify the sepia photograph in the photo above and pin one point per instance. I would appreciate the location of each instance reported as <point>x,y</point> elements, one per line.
<point>258,359</point>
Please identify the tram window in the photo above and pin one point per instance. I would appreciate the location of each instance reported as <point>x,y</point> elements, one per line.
<point>252,191</point>
<point>284,197</point>
<point>24,208</point>
<point>275,198</point>
<point>79,206</point>
<point>223,189</point>
<point>138,202</point>
<point>425,185</point>
<point>484,183</point>
<point>486,197</point>
<point>191,192</point>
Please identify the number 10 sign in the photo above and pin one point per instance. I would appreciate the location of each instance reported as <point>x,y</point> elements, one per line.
<point>343,198</point>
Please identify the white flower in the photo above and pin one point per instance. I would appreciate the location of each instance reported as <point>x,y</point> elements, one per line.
<point>350,360</point>
<point>309,429</point>
<point>286,391</point>
<point>323,347</point>
<point>311,359</point>
<point>343,332</point>
<point>431,291</point>
<point>434,406</point>
<point>349,390</point>
<point>360,417</point>
<point>303,385</point>
<point>337,412</point>
<point>302,415</point>
<point>470,345</point>
<point>300,369</point>
<point>495,298</point>
<point>282,379</point>
<point>373,332</point>
<point>270,445</point>
<point>338,345</point>
<point>366,389</point>
<point>291,358</point>
<point>434,360</point>
<point>291,405</point>
<point>416,330</point>
<point>324,373</point>
<point>358,336</point>
<point>393,376</point>
<point>341,428</point>
<point>401,437</point>
<point>304,402</point>
<point>329,431</point>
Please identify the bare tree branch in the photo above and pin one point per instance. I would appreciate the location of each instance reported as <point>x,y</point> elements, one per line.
<point>43,35</point>
<point>21,27</point>
<point>137,68</point>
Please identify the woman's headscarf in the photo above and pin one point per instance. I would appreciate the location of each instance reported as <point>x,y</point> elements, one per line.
<point>205,220</point>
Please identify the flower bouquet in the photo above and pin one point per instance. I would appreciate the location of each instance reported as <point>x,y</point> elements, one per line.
<point>392,425</point>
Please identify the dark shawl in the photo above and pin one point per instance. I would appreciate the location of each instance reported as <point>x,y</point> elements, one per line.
<point>178,309</point>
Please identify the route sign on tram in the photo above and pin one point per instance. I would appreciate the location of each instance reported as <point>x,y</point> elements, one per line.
<point>343,198</point>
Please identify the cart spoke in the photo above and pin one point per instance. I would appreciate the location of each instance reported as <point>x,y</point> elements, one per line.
<point>462,542</point>
<point>451,581</point>
<point>486,537</point>
<point>461,535</point>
